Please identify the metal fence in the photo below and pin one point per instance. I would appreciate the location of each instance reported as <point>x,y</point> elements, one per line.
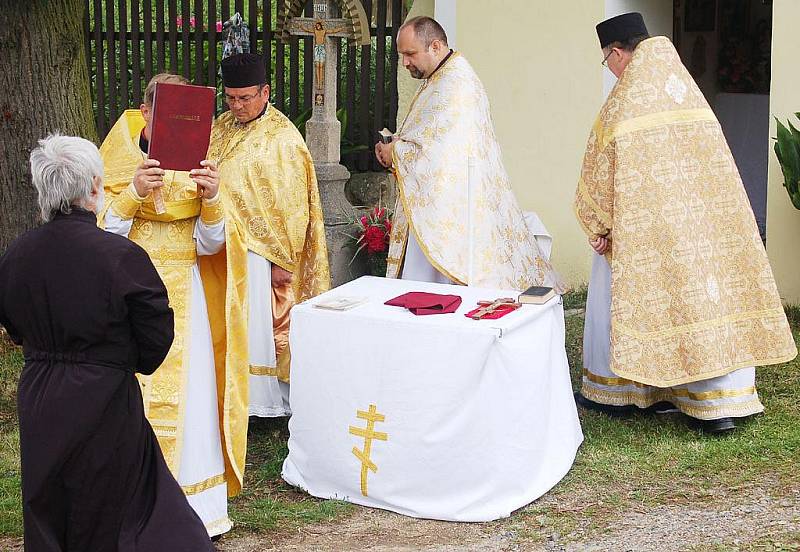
<point>128,41</point>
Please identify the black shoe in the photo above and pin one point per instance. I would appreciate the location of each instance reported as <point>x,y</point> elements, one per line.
<point>720,425</point>
<point>610,410</point>
<point>661,407</point>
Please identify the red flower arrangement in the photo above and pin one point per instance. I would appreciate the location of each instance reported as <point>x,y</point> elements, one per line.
<point>372,236</point>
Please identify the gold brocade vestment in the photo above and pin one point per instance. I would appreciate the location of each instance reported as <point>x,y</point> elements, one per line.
<point>448,123</point>
<point>693,296</point>
<point>268,190</point>
<point>168,239</point>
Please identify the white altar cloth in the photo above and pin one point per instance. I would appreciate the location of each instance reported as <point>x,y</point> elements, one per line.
<point>474,419</point>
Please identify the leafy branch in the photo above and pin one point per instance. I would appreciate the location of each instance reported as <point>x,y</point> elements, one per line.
<point>787,149</point>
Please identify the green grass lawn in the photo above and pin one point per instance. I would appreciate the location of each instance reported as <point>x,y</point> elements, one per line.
<point>641,461</point>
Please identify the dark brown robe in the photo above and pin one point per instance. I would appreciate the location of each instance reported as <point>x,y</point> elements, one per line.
<point>89,309</point>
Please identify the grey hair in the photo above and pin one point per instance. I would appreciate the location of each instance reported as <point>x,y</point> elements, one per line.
<point>62,168</point>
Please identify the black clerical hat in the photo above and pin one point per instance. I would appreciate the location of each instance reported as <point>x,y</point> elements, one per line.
<point>621,28</point>
<point>243,70</point>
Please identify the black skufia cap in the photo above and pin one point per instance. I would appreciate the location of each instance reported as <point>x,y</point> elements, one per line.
<point>243,70</point>
<point>621,28</point>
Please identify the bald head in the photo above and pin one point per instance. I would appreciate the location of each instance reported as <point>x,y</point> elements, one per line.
<point>426,30</point>
<point>422,44</point>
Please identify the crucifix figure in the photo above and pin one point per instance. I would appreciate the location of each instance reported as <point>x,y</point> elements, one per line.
<point>321,30</point>
<point>490,307</point>
<point>353,25</point>
<point>322,130</point>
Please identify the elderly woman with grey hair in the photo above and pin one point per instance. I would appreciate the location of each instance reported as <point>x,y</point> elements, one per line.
<point>89,310</point>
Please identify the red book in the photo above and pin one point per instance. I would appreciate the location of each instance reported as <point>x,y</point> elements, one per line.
<point>181,125</point>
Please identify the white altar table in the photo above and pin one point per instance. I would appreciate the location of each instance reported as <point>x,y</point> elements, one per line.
<point>436,416</point>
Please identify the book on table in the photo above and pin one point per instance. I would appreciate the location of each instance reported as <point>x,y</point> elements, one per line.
<point>536,295</point>
<point>340,303</point>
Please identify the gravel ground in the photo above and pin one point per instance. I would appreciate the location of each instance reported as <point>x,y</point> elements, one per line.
<point>755,521</point>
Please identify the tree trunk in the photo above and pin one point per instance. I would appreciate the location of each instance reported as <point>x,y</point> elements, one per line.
<point>44,88</point>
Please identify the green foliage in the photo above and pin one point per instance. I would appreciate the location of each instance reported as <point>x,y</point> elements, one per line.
<point>10,481</point>
<point>787,149</point>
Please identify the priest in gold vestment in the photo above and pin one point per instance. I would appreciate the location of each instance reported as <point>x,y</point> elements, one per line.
<point>275,252</point>
<point>187,399</point>
<point>682,303</point>
<point>448,129</point>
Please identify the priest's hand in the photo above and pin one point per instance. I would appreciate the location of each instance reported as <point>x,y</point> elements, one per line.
<point>600,245</point>
<point>383,152</point>
<point>206,178</point>
<point>280,277</point>
<point>148,177</point>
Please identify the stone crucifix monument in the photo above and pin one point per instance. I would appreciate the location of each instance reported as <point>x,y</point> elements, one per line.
<point>323,130</point>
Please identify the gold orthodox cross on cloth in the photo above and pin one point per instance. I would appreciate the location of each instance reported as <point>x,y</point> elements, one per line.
<point>488,307</point>
<point>369,434</point>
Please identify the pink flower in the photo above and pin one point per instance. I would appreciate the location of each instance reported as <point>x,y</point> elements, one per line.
<point>219,26</point>
<point>364,221</point>
<point>179,21</point>
<point>192,22</point>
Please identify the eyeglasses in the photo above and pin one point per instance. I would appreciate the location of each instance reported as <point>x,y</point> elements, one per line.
<point>244,100</point>
<point>604,63</point>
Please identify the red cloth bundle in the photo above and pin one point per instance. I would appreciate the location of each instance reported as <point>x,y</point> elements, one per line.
<point>421,303</point>
<point>499,312</point>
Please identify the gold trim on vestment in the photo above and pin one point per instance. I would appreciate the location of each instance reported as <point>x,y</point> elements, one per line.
<point>210,483</point>
<point>162,429</point>
<point>256,370</point>
<point>398,237</point>
<point>715,373</point>
<point>171,257</point>
<point>683,393</point>
<point>127,203</point>
<point>211,211</point>
<point>654,120</point>
<point>284,364</point>
<point>177,209</point>
<point>656,395</point>
<point>604,217</point>
<point>705,324</point>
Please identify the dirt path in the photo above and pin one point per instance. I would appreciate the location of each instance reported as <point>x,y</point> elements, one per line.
<point>756,520</point>
<point>752,520</point>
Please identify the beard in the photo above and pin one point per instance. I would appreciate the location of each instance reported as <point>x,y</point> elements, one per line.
<point>415,72</point>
